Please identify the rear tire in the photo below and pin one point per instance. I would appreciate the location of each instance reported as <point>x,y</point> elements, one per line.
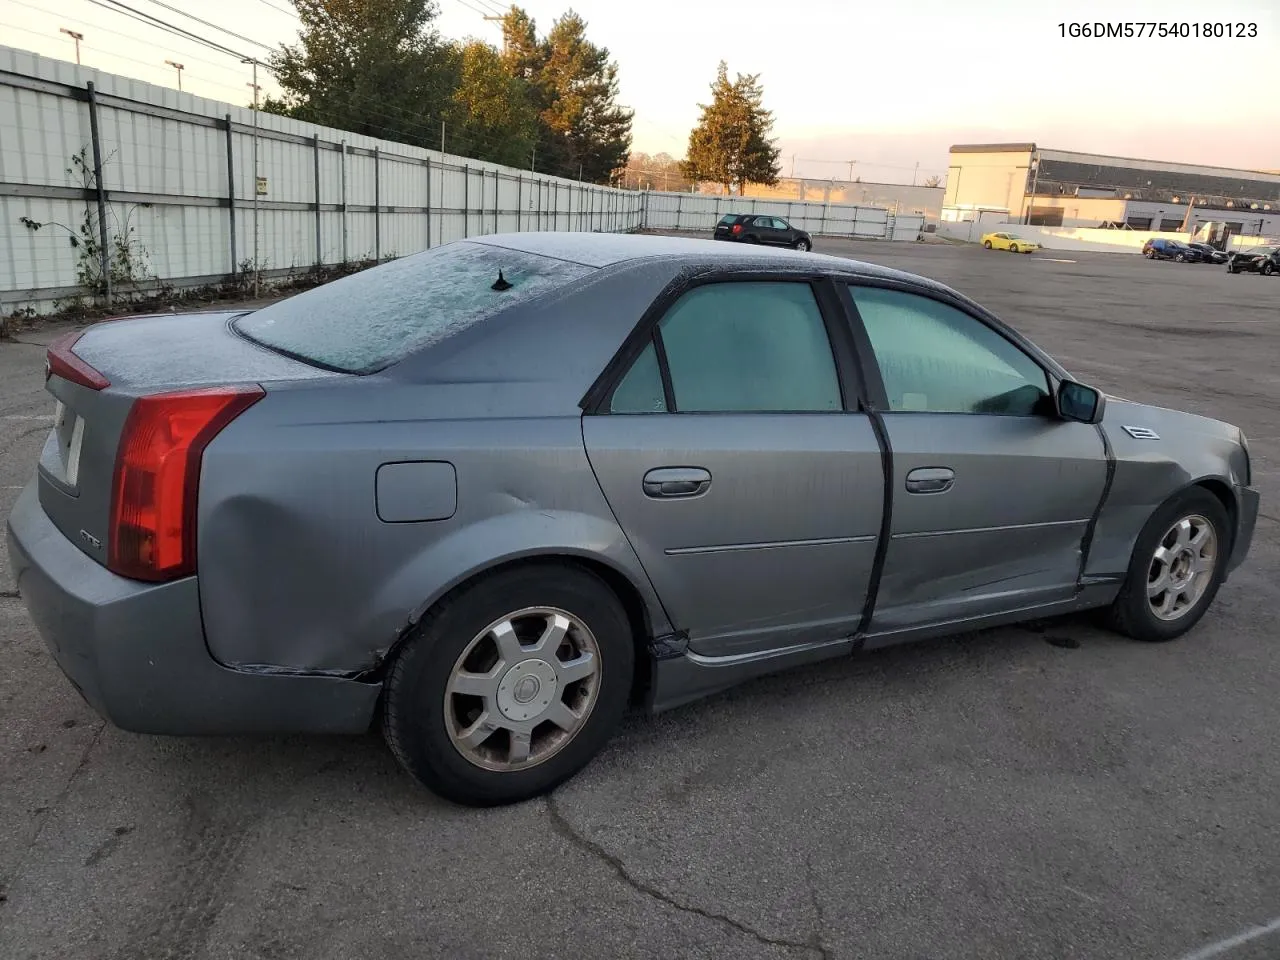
<point>467,746</point>
<point>1165,560</point>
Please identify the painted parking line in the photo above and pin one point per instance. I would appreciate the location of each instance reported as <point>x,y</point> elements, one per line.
<point>1230,943</point>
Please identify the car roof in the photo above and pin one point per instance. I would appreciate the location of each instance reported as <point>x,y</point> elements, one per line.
<point>611,249</point>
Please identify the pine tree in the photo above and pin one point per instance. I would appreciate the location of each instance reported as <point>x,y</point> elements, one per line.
<point>731,145</point>
<point>493,118</point>
<point>574,86</point>
<point>376,67</point>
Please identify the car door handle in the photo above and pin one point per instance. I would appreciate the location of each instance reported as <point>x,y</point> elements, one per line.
<point>930,480</point>
<point>672,482</point>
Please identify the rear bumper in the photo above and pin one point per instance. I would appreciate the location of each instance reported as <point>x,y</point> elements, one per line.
<point>1247,501</point>
<point>136,652</point>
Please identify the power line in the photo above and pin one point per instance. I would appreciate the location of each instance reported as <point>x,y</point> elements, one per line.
<point>473,9</point>
<point>120,56</point>
<point>95,28</point>
<point>206,23</point>
<point>268,3</point>
<point>116,7</point>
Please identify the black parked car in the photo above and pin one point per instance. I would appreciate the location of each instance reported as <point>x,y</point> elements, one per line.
<point>762,228</point>
<point>1263,260</point>
<point>1208,252</point>
<point>1159,248</point>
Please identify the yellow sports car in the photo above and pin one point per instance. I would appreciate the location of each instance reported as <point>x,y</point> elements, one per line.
<point>1008,241</point>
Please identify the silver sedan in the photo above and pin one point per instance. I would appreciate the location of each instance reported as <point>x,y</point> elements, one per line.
<point>491,495</point>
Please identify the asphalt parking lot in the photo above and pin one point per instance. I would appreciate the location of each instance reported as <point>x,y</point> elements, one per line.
<point>1047,791</point>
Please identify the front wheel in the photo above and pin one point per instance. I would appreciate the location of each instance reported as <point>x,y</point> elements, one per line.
<point>803,245</point>
<point>1175,570</point>
<point>512,686</point>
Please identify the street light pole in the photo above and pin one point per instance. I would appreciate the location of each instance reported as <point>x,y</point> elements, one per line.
<point>77,37</point>
<point>179,67</point>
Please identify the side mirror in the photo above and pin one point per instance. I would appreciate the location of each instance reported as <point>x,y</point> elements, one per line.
<point>1079,403</point>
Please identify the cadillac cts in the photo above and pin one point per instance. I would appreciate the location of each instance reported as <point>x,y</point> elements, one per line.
<point>489,495</point>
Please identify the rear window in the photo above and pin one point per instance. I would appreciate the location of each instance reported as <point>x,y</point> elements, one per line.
<point>372,319</point>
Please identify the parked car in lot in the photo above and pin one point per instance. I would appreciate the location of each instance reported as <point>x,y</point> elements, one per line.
<point>768,230</point>
<point>1162,248</point>
<point>493,493</point>
<point>1263,260</point>
<point>1009,241</point>
<point>1208,252</point>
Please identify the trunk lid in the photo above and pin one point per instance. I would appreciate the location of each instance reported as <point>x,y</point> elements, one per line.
<point>137,356</point>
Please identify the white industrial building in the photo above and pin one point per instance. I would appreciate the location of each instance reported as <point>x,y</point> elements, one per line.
<point>1024,183</point>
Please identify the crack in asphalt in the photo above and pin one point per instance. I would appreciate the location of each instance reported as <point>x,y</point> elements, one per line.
<point>561,825</point>
<point>47,814</point>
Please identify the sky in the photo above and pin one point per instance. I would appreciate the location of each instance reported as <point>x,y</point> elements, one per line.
<point>886,85</point>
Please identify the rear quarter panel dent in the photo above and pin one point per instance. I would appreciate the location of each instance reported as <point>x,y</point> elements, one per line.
<point>297,571</point>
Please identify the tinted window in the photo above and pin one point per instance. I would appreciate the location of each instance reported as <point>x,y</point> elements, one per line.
<point>640,391</point>
<point>937,359</point>
<point>373,318</point>
<point>742,347</point>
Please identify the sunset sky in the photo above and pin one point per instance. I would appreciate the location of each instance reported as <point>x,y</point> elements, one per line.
<point>889,85</point>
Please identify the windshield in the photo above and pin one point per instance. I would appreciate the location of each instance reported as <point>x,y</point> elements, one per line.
<point>365,322</point>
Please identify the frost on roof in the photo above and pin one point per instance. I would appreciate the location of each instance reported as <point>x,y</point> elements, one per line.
<point>379,316</point>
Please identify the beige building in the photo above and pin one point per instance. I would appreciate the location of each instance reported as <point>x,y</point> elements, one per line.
<point>1029,184</point>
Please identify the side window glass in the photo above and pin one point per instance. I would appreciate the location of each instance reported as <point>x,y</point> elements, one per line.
<point>937,359</point>
<point>640,391</point>
<point>750,346</point>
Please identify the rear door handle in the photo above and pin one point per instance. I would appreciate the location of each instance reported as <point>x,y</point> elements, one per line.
<point>930,480</point>
<point>665,483</point>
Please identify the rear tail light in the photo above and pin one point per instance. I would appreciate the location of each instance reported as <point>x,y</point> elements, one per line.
<point>153,498</point>
<point>61,361</point>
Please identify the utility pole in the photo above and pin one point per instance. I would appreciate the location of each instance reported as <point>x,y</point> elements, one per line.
<point>77,37</point>
<point>504,33</point>
<point>256,268</point>
<point>179,67</point>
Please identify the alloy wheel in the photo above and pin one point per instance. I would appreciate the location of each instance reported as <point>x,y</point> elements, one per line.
<point>1182,567</point>
<point>522,689</point>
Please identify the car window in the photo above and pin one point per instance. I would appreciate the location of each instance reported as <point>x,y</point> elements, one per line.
<point>738,347</point>
<point>935,358</point>
<point>758,346</point>
<point>640,391</point>
<point>379,316</point>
